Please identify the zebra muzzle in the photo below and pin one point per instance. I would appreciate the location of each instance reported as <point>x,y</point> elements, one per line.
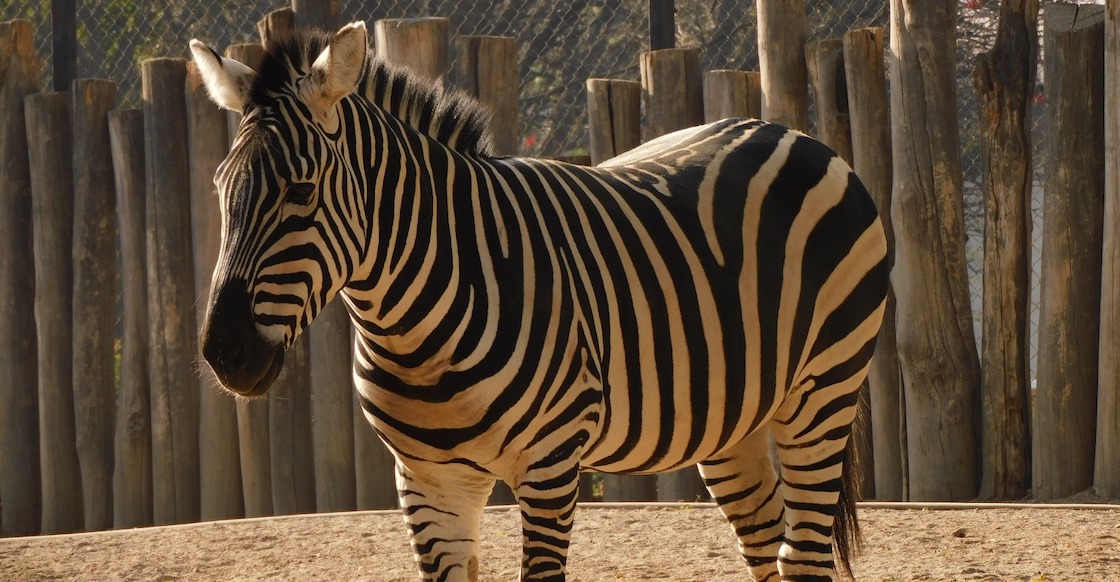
<point>244,362</point>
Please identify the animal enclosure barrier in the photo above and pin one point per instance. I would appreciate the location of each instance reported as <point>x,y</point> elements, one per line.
<point>182,450</point>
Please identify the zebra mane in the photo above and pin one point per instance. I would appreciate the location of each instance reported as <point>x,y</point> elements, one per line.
<point>450,117</point>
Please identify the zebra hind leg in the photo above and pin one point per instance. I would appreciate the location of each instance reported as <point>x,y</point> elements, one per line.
<point>744,484</point>
<point>442,505</point>
<point>547,495</point>
<point>819,506</point>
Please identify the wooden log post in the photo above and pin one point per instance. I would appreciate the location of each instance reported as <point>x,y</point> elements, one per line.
<point>1106,476</point>
<point>1069,321</point>
<point>1004,84</point>
<point>275,23</point>
<point>254,450</point>
<point>672,87</point>
<point>50,142</point>
<point>174,384</point>
<point>289,427</point>
<point>487,69</point>
<point>417,43</point>
<point>132,471</point>
<point>672,90</point>
<point>782,30</point>
<point>936,344</point>
<point>20,490</point>
<point>614,117</point>
<point>729,93</point>
<point>316,13</point>
<point>869,112</point>
<point>219,463</point>
<point>332,387</point>
<point>95,293</point>
<point>825,62</point>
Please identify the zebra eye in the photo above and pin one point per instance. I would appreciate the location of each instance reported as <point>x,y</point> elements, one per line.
<point>300,192</point>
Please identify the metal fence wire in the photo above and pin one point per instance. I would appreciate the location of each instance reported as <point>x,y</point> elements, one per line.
<point>561,44</point>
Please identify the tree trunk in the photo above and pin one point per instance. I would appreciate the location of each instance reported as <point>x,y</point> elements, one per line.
<point>825,60</point>
<point>672,90</point>
<point>487,69</point>
<point>289,427</point>
<point>50,142</point>
<point>782,30</point>
<point>1106,478</point>
<point>175,402</point>
<point>19,407</point>
<point>731,94</point>
<point>936,344</point>
<point>1069,317</point>
<point>316,13</point>
<point>1004,82</point>
<point>332,387</point>
<point>417,43</point>
<point>614,112</point>
<point>132,472</point>
<point>869,110</point>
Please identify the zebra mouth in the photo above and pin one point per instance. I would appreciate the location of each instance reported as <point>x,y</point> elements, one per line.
<point>265,382</point>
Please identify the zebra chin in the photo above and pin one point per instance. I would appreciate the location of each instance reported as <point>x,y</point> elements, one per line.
<point>244,361</point>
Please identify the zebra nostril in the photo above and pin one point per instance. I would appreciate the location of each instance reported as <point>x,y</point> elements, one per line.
<point>238,354</point>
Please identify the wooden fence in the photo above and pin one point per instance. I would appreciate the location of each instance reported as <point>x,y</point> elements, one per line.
<point>167,446</point>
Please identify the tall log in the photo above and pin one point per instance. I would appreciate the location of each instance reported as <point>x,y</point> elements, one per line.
<point>1004,83</point>
<point>50,142</point>
<point>825,62</point>
<point>289,428</point>
<point>175,402</point>
<point>1069,320</point>
<point>1106,477</point>
<point>613,117</point>
<point>782,30</point>
<point>316,13</point>
<point>95,293</point>
<point>936,345</point>
<point>252,415</point>
<point>672,90</point>
<point>219,464</point>
<point>417,43</point>
<point>275,24</point>
<point>487,69</point>
<point>19,407</point>
<point>132,472</point>
<point>869,111</point>
<point>332,387</point>
<point>730,93</point>
<point>672,86</point>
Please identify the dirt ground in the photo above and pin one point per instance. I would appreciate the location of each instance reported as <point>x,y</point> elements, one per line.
<point>685,543</point>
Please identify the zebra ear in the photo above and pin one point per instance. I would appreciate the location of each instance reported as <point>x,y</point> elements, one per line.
<point>227,81</point>
<point>339,67</point>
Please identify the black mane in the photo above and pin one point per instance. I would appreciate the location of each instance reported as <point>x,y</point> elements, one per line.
<point>453,118</point>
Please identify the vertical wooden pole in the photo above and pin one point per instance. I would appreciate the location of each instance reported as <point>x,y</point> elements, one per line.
<point>50,141</point>
<point>417,43</point>
<point>662,24</point>
<point>275,23</point>
<point>316,13</point>
<point>730,93</point>
<point>825,62</point>
<point>1004,83</point>
<point>936,343</point>
<point>869,110</point>
<point>95,293</point>
<point>252,415</point>
<point>782,30</point>
<point>132,472</point>
<point>175,403</point>
<point>1106,477</point>
<point>332,387</point>
<point>64,43</point>
<point>19,408</point>
<point>290,440</point>
<point>1069,319</point>
<point>614,113</point>
<point>487,69</point>
<point>672,87</point>
<point>219,464</point>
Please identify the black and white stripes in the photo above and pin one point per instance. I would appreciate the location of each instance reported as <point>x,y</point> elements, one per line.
<point>523,319</point>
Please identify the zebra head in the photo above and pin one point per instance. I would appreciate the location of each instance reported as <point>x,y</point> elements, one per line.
<point>286,245</point>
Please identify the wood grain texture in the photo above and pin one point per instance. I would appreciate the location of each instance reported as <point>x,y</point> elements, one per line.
<point>782,31</point>
<point>417,43</point>
<point>486,68</point>
<point>614,113</point>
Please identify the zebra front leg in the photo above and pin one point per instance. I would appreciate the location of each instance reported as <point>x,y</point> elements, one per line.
<point>547,496</point>
<point>442,505</point>
<point>742,481</point>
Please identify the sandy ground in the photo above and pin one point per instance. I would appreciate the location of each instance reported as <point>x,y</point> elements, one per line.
<point>676,543</point>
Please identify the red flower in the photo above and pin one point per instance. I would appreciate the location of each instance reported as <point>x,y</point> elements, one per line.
<point>531,141</point>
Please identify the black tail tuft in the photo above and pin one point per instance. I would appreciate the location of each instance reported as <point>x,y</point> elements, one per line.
<point>845,530</point>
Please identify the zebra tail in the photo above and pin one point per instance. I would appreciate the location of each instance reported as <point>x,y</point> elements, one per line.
<point>845,530</point>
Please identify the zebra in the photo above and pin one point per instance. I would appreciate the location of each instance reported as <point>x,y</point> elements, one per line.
<point>687,303</point>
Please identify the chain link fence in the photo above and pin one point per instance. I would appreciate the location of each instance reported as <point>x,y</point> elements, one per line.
<point>561,44</point>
